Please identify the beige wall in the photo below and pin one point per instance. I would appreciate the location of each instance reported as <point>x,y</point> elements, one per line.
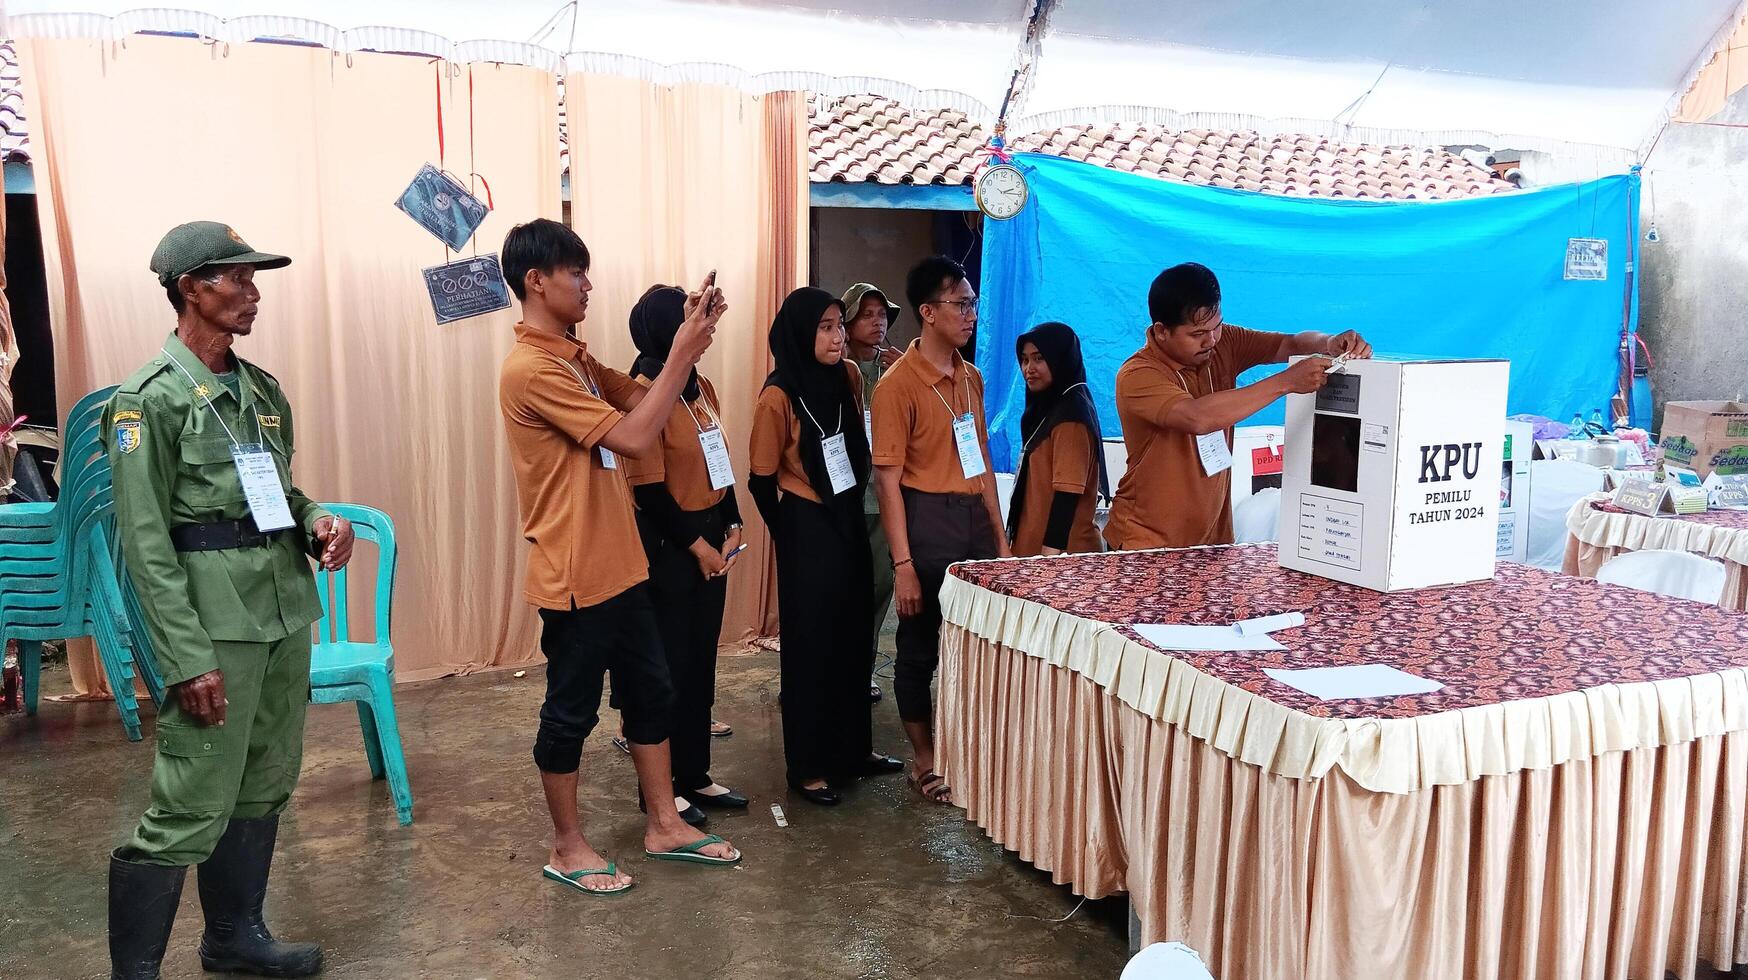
<point>877,245</point>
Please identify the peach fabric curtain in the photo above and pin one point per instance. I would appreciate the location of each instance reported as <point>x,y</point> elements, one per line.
<point>1722,77</point>
<point>671,182</point>
<point>1619,866</point>
<point>303,151</point>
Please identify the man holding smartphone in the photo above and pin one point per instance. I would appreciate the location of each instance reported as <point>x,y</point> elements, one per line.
<point>570,421</point>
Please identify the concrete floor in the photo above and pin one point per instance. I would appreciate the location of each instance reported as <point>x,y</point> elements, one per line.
<point>883,887</point>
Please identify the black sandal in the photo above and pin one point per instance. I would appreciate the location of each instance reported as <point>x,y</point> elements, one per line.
<point>933,787</point>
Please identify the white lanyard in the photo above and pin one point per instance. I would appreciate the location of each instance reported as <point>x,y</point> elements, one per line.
<point>256,469</point>
<point>965,441</point>
<point>1026,446</point>
<point>945,404</point>
<point>608,459</point>
<point>837,455</point>
<point>202,392</point>
<point>1211,447</point>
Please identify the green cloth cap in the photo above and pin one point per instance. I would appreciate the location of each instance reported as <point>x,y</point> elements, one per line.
<point>198,244</point>
<point>853,302</point>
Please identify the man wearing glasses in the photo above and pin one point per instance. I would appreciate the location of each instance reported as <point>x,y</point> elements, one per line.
<point>937,493</point>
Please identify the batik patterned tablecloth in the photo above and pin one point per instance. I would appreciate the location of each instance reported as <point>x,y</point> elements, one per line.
<point>1573,803</point>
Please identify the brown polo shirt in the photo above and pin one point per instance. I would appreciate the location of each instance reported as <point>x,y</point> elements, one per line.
<point>1067,461</point>
<point>576,512</point>
<point>776,445</point>
<point>1165,500</point>
<point>914,409</point>
<point>678,457</point>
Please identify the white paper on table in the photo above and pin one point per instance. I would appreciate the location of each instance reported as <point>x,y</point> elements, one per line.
<point>1178,637</point>
<point>1354,681</point>
<point>1269,624</point>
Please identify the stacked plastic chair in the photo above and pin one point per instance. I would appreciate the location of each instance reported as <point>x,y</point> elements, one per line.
<point>59,573</point>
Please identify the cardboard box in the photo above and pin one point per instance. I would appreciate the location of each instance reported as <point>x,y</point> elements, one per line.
<point>1514,492</point>
<point>1706,436</point>
<point>1392,474</point>
<point>1257,454</point>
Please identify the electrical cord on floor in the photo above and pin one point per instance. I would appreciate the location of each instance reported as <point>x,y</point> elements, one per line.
<point>1039,918</point>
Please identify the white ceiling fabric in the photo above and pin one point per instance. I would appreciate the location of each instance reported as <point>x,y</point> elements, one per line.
<point>1542,75</point>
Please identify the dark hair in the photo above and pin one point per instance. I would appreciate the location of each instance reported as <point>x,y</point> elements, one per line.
<point>929,278</point>
<point>1180,293</point>
<point>174,292</point>
<point>542,244</point>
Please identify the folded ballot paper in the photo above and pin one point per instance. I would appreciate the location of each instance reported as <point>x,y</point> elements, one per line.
<point>1249,634</point>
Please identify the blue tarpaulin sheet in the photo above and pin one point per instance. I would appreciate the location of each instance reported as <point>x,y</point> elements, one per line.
<point>1472,278</point>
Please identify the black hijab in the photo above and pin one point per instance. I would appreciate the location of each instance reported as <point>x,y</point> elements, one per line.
<point>817,392</point>
<point>1066,400</point>
<point>654,321</point>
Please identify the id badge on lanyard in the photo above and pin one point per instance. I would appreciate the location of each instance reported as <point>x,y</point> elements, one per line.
<point>256,470</point>
<point>837,463</point>
<point>716,458</point>
<point>259,475</point>
<point>1216,454</point>
<point>970,453</point>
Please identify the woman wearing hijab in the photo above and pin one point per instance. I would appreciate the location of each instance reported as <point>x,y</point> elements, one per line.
<point>690,523</point>
<point>810,464</point>
<point>1062,464</point>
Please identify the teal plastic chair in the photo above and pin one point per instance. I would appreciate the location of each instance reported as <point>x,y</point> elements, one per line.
<point>343,670</point>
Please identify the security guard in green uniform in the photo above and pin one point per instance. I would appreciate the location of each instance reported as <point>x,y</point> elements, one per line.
<point>218,543</point>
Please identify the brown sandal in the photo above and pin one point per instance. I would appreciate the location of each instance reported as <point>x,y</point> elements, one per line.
<point>933,787</point>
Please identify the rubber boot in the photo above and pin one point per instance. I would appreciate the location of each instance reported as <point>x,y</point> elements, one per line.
<point>233,885</point>
<point>142,907</point>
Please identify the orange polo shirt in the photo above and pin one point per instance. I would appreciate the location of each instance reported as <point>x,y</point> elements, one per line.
<point>576,512</point>
<point>678,457</point>
<point>914,408</point>
<point>1067,461</point>
<point>1165,499</point>
<point>776,441</point>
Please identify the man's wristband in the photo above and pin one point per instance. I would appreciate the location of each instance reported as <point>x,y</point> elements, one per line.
<point>900,564</point>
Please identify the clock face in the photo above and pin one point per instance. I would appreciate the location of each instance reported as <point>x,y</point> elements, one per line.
<point>1001,192</point>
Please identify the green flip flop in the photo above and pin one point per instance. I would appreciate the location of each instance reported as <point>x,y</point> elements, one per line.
<point>574,879</point>
<point>689,852</point>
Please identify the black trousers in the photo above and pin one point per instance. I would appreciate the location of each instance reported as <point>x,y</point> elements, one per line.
<point>618,636</point>
<point>944,528</point>
<point>825,608</point>
<point>688,609</point>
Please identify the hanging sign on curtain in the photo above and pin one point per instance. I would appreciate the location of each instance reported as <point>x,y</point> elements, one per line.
<point>442,206</point>
<point>467,287</point>
<point>1587,258</point>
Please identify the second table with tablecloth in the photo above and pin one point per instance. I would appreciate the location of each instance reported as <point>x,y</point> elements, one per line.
<point>1600,531</point>
<point>1573,802</point>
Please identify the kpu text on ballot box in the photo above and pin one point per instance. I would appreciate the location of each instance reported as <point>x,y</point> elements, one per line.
<point>1392,474</point>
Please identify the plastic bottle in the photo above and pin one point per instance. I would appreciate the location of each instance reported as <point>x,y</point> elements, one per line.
<point>1596,426</point>
<point>1578,431</point>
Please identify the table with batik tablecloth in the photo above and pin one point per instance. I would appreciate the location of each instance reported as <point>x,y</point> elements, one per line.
<point>1601,530</point>
<point>1573,802</point>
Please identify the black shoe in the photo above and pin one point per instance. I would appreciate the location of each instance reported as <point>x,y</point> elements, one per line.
<point>874,692</point>
<point>233,885</point>
<point>722,801</point>
<point>824,796</point>
<point>142,907</point>
<point>880,765</point>
<point>692,815</point>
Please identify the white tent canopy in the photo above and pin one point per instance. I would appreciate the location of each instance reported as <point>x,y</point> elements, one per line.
<point>1547,75</point>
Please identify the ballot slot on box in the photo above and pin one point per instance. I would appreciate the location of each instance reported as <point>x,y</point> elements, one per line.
<point>1394,474</point>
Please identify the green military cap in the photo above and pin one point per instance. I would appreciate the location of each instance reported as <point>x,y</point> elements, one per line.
<point>198,244</point>
<point>853,301</point>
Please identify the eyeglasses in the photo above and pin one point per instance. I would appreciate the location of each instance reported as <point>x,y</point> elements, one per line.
<point>966,306</point>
